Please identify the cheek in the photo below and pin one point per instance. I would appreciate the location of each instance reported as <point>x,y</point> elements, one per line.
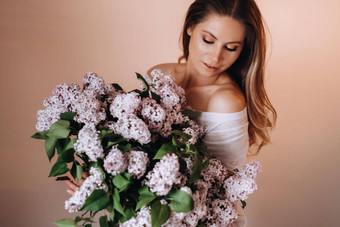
<point>197,48</point>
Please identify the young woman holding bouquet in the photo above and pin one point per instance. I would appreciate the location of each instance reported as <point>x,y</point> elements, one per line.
<point>222,73</point>
<point>224,47</point>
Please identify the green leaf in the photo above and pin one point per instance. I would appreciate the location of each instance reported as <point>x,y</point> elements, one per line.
<point>163,150</point>
<point>117,87</point>
<point>141,78</point>
<point>192,114</point>
<point>156,97</point>
<point>70,144</point>
<point>96,201</point>
<point>129,213</point>
<point>40,135</point>
<point>103,221</point>
<point>116,202</point>
<point>50,147</point>
<point>183,135</point>
<point>79,172</point>
<point>66,222</point>
<point>244,204</point>
<point>85,219</point>
<point>175,141</point>
<point>125,148</point>
<point>60,129</point>
<point>159,213</point>
<point>67,153</point>
<point>197,168</point>
<point>121,182</point>
<point>59,168</point>
<point>145,197</point>
<point>74,170</point>
<point>67,116</point>
<point>205,164</point>
<point>180,201</point>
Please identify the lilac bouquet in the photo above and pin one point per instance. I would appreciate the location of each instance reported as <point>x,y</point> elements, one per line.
<point>143,153</point>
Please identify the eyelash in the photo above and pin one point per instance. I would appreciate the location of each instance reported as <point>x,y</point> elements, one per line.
<point>208,42</point>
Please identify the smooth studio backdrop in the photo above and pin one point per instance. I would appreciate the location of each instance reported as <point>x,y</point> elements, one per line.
<point>47,42</point>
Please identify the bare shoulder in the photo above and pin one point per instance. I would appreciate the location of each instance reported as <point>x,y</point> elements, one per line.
<point>227,99</point>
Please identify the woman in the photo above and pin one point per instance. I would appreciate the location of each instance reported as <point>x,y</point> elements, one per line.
<point>224,48</point>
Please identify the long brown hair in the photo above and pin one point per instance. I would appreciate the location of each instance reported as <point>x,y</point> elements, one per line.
<point>248,69</point>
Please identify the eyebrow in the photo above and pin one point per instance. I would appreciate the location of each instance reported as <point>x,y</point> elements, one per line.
<point>216,38</point>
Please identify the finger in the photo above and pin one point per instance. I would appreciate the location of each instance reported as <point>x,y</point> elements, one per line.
<point>70,192</point>
<point>71,185</point>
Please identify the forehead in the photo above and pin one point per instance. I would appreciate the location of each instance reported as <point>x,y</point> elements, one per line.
<point>222,27</point>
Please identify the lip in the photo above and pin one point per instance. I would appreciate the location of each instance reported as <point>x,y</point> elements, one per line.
<point>209,67</point>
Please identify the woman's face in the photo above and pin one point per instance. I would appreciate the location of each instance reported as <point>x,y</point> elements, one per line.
<point>215,44</point>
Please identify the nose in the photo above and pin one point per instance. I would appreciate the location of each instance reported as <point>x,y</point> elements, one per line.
<point>217,54</point>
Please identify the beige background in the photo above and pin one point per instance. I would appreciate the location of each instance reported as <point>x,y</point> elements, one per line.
<point>46,42</point>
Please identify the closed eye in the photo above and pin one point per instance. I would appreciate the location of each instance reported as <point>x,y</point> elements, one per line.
<point>234,49</point>
<point>209,42</point>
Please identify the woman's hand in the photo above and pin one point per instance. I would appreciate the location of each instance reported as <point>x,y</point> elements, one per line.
<point>74,184</point>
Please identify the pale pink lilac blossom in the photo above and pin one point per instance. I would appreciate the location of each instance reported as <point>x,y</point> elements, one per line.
<point>94,85</point>
<point>222,213</point>
<point>242,183</point>
<point>143,219</point>
<point>89,143</point>
<point>62,99</point>
<point>164,174</point>
<point>92,182</point>
<point>138,162</point>
<point>131,127</point>
<point>115,162</point>
<point>125,104</point>
<point>89,110</point>
<point>153,114</point>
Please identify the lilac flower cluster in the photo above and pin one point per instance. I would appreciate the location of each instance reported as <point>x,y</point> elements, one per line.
<point>143,219</point>
<point>135,162</point>
<point>88,142</point>
<point>91,183</point>
<point>216,195</point>
<point>86,104</point>
<point>164,175</point>
<point>172,100</point>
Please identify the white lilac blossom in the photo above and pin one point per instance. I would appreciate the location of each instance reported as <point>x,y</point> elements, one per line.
<point>153,114</point>
<point>89,143</point>
<point>200,209</point>
<point>138,161</point>
<point>92,182</point>
<point>164,175</point>
<point>61,101</point>
<point>94,85</point>
<point>115,162</point>
<point>131,127</point>
<point>215,172</point>
<point>110,93</point>
<point>142,219</point>
<point>222,213</point>
<point>125,104</point>
<point>49,116</point>
<point>194,130</point>
<point>242,183</point>
<point>89,110</point>
<point>67,93</point>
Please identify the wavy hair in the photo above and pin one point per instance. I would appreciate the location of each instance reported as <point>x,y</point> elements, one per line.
<point>248,69</point>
